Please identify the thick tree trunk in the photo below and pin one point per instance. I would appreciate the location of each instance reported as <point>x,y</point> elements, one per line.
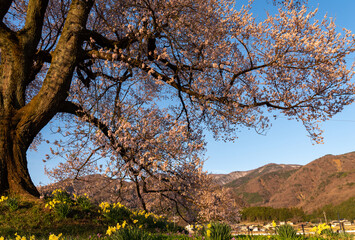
<point>14,175</point>
<point>20,122</point>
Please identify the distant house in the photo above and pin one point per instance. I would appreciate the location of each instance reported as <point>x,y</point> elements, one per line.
<point>347,223</point>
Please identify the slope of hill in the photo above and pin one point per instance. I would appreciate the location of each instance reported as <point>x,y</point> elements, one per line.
<point>223,179</point>
<point>327,180</point>
<point>256,186</point>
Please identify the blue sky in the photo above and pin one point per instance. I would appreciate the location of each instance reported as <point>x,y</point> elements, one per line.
<point>285,142</point>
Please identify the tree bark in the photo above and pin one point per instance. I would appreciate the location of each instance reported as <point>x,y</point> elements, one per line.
<point>14,175</point>
<point>20,122</point>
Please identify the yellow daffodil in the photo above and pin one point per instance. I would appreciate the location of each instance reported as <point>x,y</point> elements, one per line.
<point>3,198</point>
<point>318,229</point>
<point>118,226</point>
<point>273,223</point>
<point>54,237</point>
<point>110,230</point>
<point>18,237</point>
<point>208,232</point>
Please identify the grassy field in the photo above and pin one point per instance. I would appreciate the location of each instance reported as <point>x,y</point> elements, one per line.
<point>66,217</point>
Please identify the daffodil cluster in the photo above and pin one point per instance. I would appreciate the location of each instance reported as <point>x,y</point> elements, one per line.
<point>61,195</point>
<point>62,208</point>
<point>320,228</point>
<point>52,204</point>
<point>208,231</point>
<point>83,202</point>
<point>114,212</point>
<point>54,237</point>
<point>151,220</point>
<point>57,192</point>
<point>106,207</point>
<point>111,230</point>
<point>2,199</point>
<point>19,237</point>
<point>76,197</point>
<point>147,214</point>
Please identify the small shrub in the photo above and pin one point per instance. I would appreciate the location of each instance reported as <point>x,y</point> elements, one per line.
<point>60,203</point>
<point>130,233</point>
<point>61,195</point>
<point>83,201</point>
<point>62,209</point>
<point>12,203</point>
<point>115,212</point>
<point>329,233</point>
<point>151,221</point>
<point>218,231</point>
<point>286,231</point>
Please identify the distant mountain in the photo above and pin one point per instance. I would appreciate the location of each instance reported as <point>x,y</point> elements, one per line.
<point>256,186</point>
<point>223,179</point>
<point>327,180</point>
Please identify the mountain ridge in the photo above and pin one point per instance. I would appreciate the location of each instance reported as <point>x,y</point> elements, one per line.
<point>327,180</point>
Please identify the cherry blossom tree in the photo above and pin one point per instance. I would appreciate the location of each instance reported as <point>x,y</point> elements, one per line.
<point>137,81</point>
